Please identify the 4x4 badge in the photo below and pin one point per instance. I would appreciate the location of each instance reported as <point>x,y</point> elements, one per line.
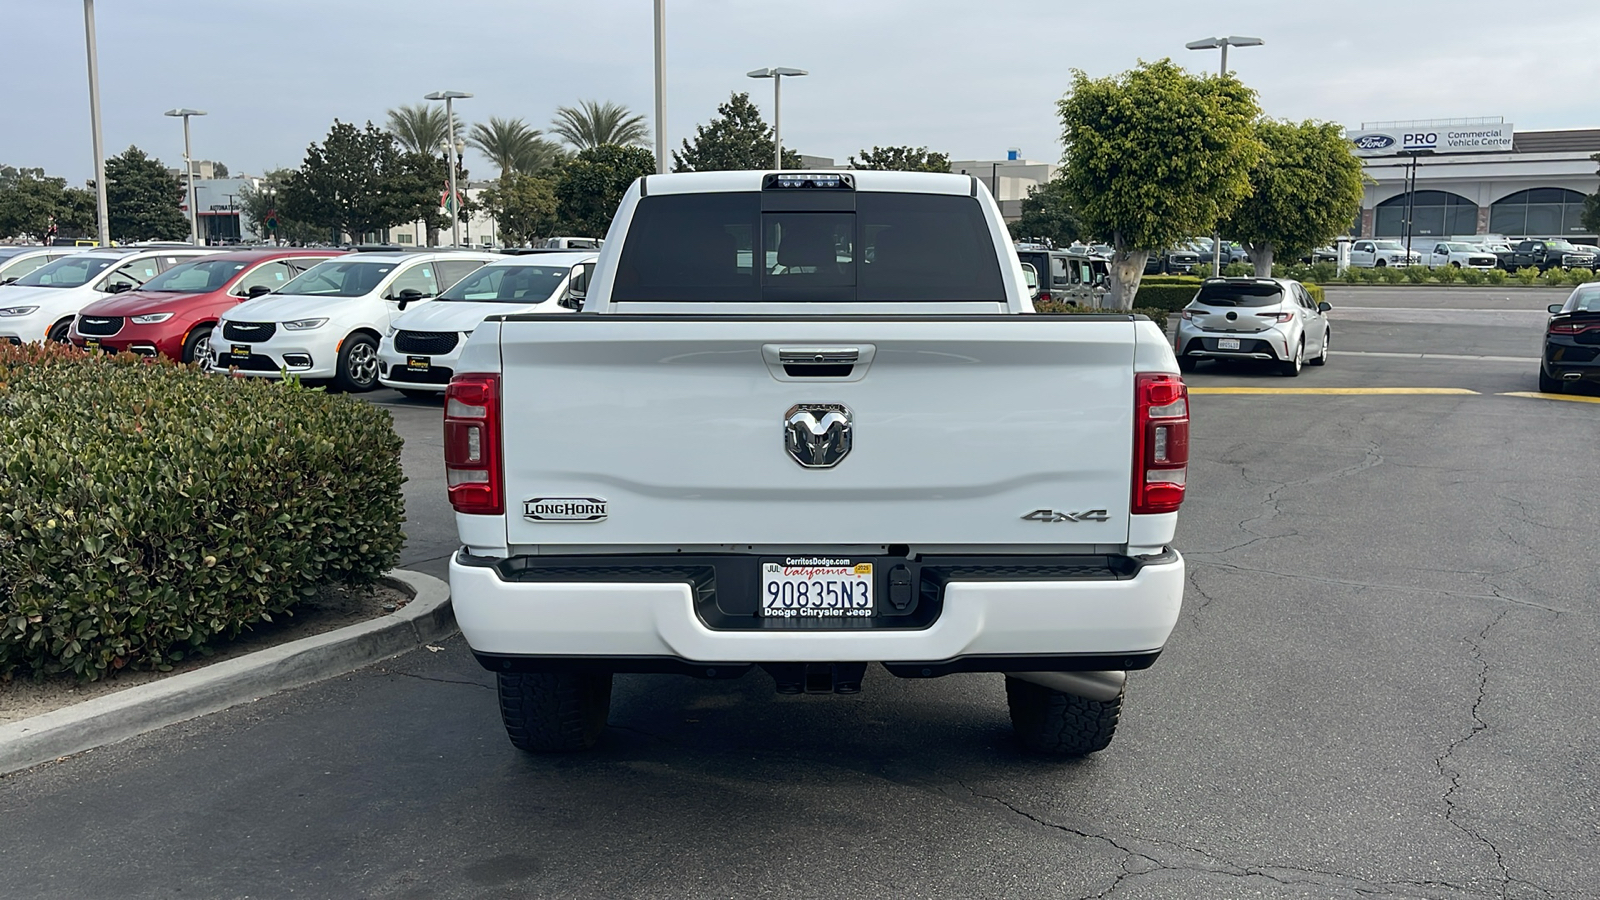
<point>1050,515</point>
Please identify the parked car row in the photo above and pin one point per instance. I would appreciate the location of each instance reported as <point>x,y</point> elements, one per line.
<point>319,313</point>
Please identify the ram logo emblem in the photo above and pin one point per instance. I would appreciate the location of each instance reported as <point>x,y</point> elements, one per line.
<point>818,435</point>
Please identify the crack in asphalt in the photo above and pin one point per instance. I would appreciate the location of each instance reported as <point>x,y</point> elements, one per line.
<point>1270,503</point>
<point>1346,582</point>
<point>1220,866</point>
<point>480,684</point>
<point>1453,775</point>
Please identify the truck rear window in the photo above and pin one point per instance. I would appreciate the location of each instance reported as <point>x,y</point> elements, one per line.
<point>891,248</point>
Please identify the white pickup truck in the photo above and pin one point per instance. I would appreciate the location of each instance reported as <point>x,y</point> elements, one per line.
<point>806,422</point>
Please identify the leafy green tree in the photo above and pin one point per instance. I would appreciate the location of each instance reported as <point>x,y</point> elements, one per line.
<point>28,201</point>
<point>358,181</point>
<point>142,199</point>
<point>1047,214</point>
<point>592,184</point>
<point>254,205</point>
<point>421,128</point>
<point>514,147</point>
<point>902,159</point>
<point>524,207</point>
<point>219,170</point>
<point>1305,190</point>
<point>1155,155</point>
<point>737,138</point>
<point>592,124</point>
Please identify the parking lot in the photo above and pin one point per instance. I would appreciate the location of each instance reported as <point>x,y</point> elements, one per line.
<point>1383,685</point>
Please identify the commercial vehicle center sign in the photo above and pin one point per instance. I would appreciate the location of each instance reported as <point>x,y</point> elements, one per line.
<point>1492,138</point>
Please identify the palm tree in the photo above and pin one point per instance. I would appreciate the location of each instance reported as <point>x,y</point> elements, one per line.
<point>592,124</point>
<point>421,128</point>
<point>514,147</point>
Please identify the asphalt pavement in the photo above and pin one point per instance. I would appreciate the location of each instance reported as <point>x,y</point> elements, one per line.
<point>1382,685</point>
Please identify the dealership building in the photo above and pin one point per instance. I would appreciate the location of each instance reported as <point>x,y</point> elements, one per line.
<point>1475,176</point>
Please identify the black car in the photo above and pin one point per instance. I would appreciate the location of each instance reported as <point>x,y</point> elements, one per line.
<point>1172,262</point>
<point>1545,254</point>
<point>1572,341</point>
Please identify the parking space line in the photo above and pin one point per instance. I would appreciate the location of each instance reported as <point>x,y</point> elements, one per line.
<point>1328,390</point>
<point>1534,395</point>
<point>1516,359</point>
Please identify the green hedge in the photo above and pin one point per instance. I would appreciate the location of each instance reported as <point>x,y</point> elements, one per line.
<point>1170,297</point>
<point>1054,308</point>
<point>147,510</point>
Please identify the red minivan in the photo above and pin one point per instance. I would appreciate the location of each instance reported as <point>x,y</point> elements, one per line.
<point>173,313</point>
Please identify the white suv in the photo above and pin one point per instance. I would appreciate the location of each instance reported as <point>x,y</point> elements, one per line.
<point>327,322</point>
<point>41,305</point>
<point>419,354</point>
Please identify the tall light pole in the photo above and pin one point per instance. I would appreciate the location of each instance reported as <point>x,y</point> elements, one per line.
<point>1222,43</point>
<point>661,87</point>
<point>102,213</point>
<point>188,170</point>
<point>777,76</point>
<point>450,139</point>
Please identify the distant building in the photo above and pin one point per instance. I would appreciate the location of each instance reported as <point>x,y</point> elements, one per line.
<point>1009,180</point>
<point>1534,189</point>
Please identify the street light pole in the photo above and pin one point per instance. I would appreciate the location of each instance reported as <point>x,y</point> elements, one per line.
<point>1221,43</point>
<point>661,87</point>
<point>777,76</point>
<point>188,170</point>
<point>102,213</point>
<point>450,140</point>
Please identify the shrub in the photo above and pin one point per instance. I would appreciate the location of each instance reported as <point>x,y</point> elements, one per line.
<point>1316,292</point>
<point>1417,274</point>
<point>1192,281</point>
<point>1554,276</point>
<point>1391,275</point>
<point>1528,275</point>
<point>146,510</point>
<point>1323,272</point>
<point>1495,276</point>
<point>1473,276</point>
<point>1447,274</point>
<point>1055,308</point>
<point>1584,276</point>
<point>1165,296</point>
<point>1239,270</point>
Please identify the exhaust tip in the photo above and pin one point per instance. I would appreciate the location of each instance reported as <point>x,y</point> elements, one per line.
<point>1571,376</point>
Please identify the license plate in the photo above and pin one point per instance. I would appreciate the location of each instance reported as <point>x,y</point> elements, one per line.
<point>1227,343</point>
<point>90,343</point>
<point>812,588</point>
<point>418,362</point>
<point>242,351</point>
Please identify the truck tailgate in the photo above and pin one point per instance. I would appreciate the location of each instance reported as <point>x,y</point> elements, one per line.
<point>959,429</point>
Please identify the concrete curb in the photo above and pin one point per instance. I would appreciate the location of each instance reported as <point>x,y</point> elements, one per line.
<point>124,714</point>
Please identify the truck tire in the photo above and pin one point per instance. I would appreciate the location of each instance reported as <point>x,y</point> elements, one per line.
<point>1059,724</point>
<point>547,712</point>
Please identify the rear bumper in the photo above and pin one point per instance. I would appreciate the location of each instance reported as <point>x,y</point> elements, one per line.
<point>1004,622</point>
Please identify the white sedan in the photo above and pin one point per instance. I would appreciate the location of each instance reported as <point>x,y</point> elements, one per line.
<point>1461,256</point>
<point>419,354</point>
<point>327,322</point>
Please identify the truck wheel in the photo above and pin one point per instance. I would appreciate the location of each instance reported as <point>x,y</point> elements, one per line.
<point>548,712</point>
<point>1059,724</point>
<point>1548,385</point>
<point>1380,264</point>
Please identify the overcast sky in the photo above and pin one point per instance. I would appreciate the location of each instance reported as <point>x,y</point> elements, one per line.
<point>970,79</point>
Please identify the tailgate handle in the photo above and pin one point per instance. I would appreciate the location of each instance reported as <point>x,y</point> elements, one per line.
<point>819,362</point>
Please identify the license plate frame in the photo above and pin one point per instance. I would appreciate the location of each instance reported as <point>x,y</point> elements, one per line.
<point>419,363</point>
<point>91,343</point>
<point>1227,343</point>
<point>817,588</point>
<point>239,351</point>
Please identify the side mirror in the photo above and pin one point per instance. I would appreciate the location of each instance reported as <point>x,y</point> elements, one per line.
<point>8,279</point>
<point>118,287</point>
<point>1324,306</point>
<point>409,295</point>
<point>1556,307</point>
<point>258,290</point>
<point>573,299</point>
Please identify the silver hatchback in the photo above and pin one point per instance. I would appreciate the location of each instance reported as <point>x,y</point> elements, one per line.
<point>1269,319</point>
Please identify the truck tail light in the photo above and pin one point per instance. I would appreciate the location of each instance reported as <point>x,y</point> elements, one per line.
<point>472,466</point>
<point>1160,442</point>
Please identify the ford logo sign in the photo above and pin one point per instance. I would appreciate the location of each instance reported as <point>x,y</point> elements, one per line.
<point>1374,142</point>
